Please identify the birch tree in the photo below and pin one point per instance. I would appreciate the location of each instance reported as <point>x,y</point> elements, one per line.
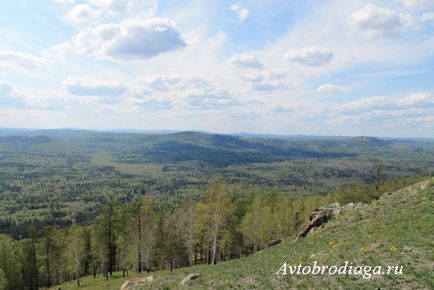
<point>76,250</point>
<point>214,215</point>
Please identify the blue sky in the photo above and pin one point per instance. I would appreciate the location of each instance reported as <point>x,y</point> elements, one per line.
<point>282,67</point>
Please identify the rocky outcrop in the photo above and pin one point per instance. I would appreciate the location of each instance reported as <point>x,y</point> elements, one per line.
<point>322,215</point>
<point>136,282</point>
<point>274,242</point>
<point>188,278</point>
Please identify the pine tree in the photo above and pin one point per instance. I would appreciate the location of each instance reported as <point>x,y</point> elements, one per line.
<point>9,263</point>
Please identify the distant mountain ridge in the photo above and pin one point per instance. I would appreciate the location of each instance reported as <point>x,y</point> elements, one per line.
<point>367,141</point>
<point>82,132</point>
<point>215,149</point>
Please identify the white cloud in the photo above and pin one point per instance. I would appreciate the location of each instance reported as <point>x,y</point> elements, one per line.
<point>165,83</point>
<point>419,3</point>
<point>420,100</point>
<point>245,61</point>
<point>211,98</point>
<point>64,2</point>
<point>5,89</point>
<point>267,86</point>
<point>266,80</point>
<point>375,21</point>
<point>153,105</point>
<point>87,87</point>
<point>428,16</point>
<point>114,5</point>
<point>423,100</point>
<point>241,12</point>
<point>331,89</point>
<point>282,109</point>
<point>368,103</point>
<point>387,112</point>
<point>132,39</point>
<point>190,91</point>
<point>82,13</point>
<point>310,56</point>
<point>23,60</point>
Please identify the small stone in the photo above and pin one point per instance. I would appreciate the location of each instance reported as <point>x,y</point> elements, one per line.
<point>407,249</point>
<point>188,278</point>
<point>136,282</point>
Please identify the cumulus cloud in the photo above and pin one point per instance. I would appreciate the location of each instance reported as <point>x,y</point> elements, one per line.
<point>87,87</point>
<point>211,99</point>
<point>82,13</point>
<point>5,89</point>
<point>10,98</point>
<point>194,92</point>
<point>419,3</point>
<point>241,11</point>
<point>368,103</point>
<point>249,61</point>
<point>115,5</point>
<point>331,89</point>
<point>132,39</point>
<point>310,56</point>
<point>282,109</point>
<point>23,60</point>
<point>428,16</point>
<point>153,105</point>
<point>375,21</point>
<point>266,80</point>
<point>64,2</point>
<point>267,85</point>
<point>191,91</point>
<point>388,111</point>
<point>164,83</point>
<point>420,100</point>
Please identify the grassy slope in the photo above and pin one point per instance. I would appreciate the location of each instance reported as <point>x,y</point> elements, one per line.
<point>395,230</point>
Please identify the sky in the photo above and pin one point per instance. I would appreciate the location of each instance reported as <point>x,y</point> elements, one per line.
<point>327,67</point>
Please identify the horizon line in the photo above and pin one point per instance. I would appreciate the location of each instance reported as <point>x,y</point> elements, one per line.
<point>174,131</point>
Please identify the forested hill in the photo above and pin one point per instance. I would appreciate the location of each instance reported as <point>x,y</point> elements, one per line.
<point>62,176</point>
<point>215,149</point>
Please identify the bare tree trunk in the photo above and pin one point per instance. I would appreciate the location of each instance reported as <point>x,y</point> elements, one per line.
<point>139,231</point>
<point>35,267</point>
<point>111,254</point>
<point>214,242</point>
<point>48,261</point>
<point>214,248</point>
<point>378,177</point>
<point>171,264</point>
<point>195,254</point>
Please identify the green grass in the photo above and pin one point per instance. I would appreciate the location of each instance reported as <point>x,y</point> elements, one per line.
<point>104,158</point>
<point>98,283</point>
<point>394,230</point>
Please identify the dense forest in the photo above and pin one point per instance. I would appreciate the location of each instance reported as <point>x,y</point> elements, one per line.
<point>76,203</point>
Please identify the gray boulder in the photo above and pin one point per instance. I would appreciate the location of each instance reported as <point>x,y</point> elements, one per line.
<point>188,278</point>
